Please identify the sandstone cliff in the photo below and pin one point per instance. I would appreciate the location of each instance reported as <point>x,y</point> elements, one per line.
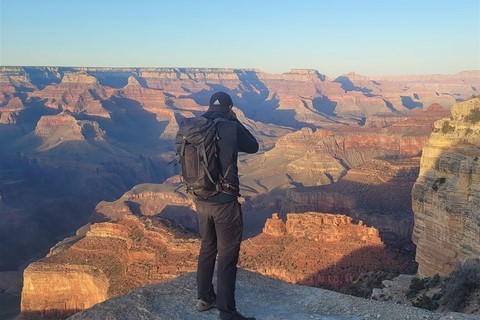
<point>77,287</point>
<point>446,195</point>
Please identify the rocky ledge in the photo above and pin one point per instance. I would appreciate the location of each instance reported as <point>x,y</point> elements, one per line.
<point>258,296</point>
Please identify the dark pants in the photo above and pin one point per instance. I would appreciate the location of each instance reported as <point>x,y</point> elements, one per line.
<point>221,228</point>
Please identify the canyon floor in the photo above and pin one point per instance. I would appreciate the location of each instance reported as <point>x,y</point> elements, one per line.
<point>257,295</point>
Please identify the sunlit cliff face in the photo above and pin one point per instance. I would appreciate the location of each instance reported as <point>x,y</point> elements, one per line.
<point>446,196</point>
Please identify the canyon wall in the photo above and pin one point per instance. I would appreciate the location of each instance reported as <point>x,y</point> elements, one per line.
<point>446,195</point>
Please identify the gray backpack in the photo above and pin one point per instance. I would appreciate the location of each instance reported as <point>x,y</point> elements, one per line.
<point>196,146</point>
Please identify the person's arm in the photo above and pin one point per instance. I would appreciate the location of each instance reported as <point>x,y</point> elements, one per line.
<point>246,142</point>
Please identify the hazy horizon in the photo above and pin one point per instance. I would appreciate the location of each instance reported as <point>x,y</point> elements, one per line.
<point>230,68</point>
<point>373,38</point>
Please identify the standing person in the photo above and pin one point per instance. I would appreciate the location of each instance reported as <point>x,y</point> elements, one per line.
<point>220,216</point>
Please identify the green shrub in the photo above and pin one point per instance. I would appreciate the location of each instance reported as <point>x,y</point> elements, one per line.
<point>447,128</point>
<point>425,302</point>
<point>461,284</point>
<point>474,116</point>
<point>363,286</point>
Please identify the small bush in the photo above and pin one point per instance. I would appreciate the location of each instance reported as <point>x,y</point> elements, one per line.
<point>474,116</point>
<point>363,286</point>
<point>425,302</point>
<point>447,128</point>
<point>437,296</point>
<point>433,281</point>
<point>416,285</point>
<point>460,284</point>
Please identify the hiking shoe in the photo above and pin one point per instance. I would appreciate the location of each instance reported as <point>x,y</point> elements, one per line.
<point>238,316</point>
<point>206,304</point>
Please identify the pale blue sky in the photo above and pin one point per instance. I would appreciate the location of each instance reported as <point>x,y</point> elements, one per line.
<point>371,37</point>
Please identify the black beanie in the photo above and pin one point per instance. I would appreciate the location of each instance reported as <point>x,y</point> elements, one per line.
<point>220,101</point>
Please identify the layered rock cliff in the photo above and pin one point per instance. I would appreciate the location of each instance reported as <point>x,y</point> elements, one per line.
<point>446,195</point>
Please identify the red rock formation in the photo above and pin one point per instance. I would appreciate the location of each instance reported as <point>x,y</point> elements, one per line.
<point>111,258</point>
<point>317,249</point>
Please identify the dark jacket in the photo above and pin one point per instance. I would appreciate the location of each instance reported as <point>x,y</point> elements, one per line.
<point>234,138</point>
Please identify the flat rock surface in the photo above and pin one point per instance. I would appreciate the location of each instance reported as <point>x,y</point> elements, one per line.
<point>258,296</point>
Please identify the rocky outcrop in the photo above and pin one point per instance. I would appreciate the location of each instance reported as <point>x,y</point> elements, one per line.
<point>446,195</point>
<point>258,296</point>
<point>57,129</point>
<point>161,200</point>
<point>104,260</point>
<point>316,249</point>
<point>66,289</point>
<point>10,112</point>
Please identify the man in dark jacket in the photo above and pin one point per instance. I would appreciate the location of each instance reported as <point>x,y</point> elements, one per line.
<point>220,217</point>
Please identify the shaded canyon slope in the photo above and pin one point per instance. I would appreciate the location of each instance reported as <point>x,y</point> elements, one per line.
<point>446,195</point>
